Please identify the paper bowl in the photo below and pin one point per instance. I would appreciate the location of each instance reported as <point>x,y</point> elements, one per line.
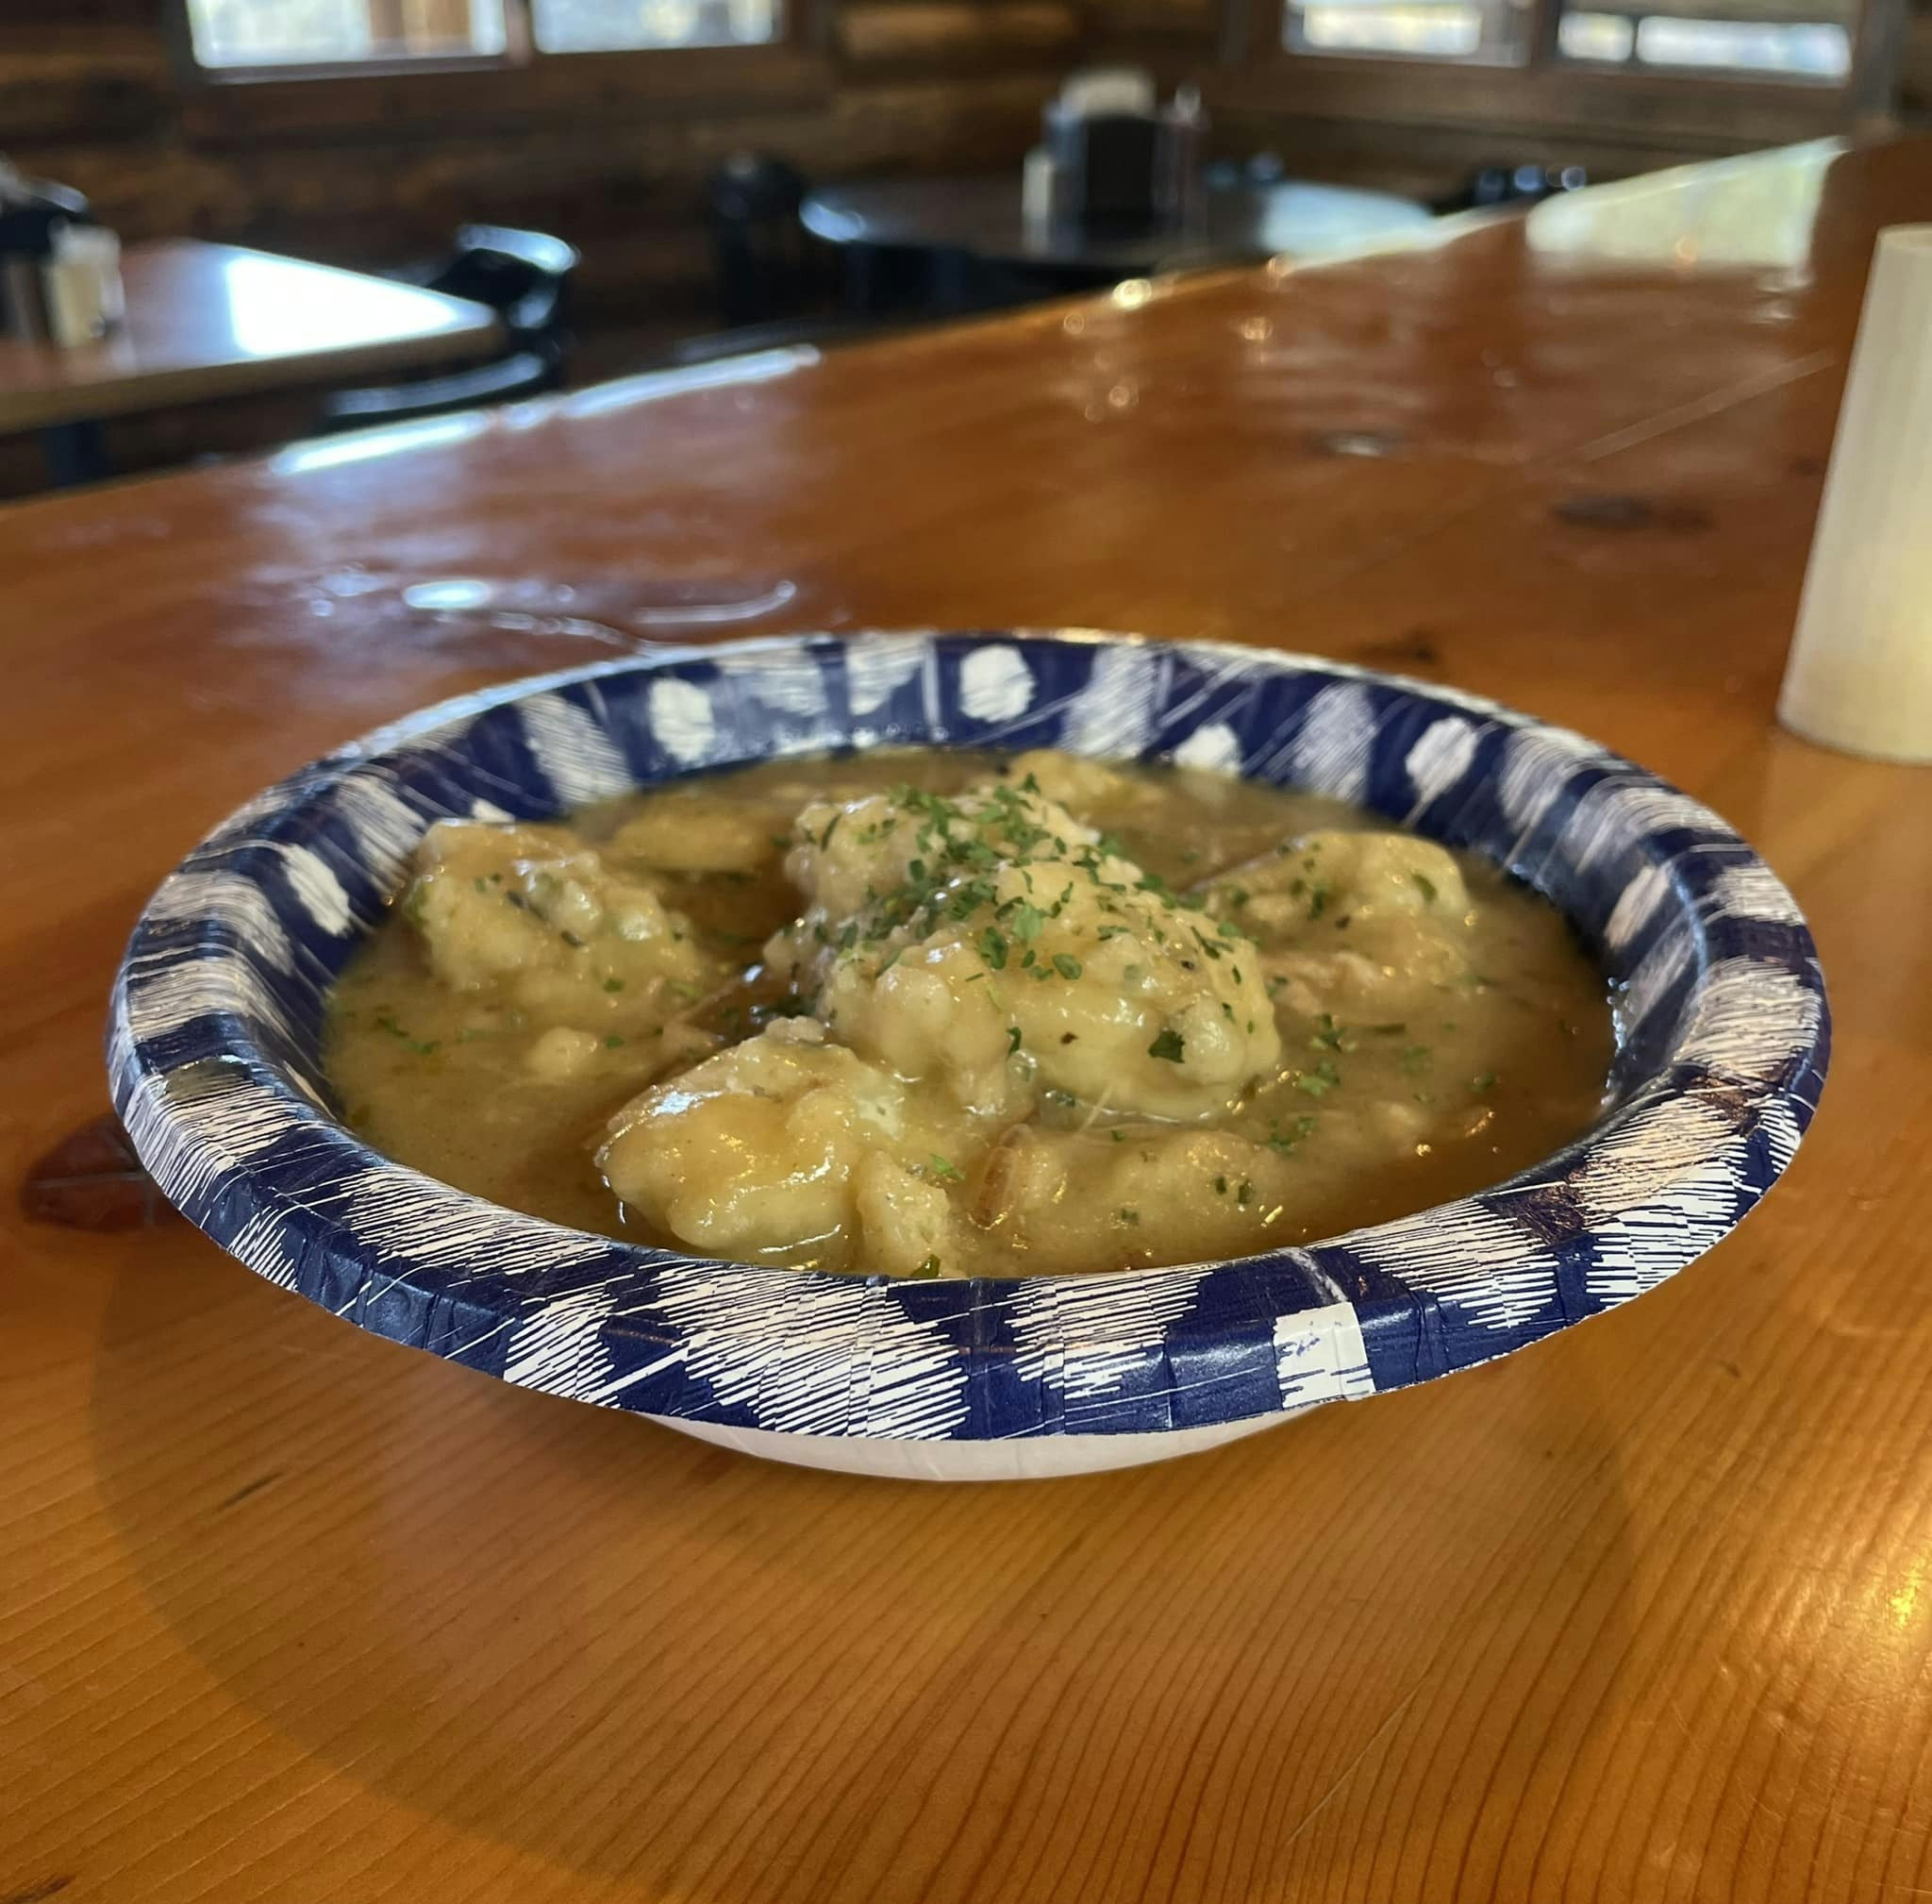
<point>1723,1041</point>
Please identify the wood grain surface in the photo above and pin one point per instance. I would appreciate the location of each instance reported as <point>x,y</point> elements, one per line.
<point>290,1614</point>
<point>215,320</point>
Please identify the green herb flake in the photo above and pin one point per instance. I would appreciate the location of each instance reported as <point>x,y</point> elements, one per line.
<point>613,1041</point>
<point>944,1169</point>
<point>1012,1039</point>
<point>1170,1046</point>
<point>1221,1186</point>
<point>1299,1130</point>
<point>1066,965</point>
<point>1415,1057</point>
<point>613,984</point>
<point>1320,1081</point>
<point>1028,922</point>
<point>1129,1215</point>
<point>929,1267</point>
<point>1482,1081</point>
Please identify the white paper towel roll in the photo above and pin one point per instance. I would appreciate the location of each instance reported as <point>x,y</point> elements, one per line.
<point>1859,675</point>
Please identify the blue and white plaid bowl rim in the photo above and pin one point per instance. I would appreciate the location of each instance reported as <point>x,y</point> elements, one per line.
<point>217,1012</point>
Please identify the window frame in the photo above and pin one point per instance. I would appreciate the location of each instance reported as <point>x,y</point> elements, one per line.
<point>1548,96</point>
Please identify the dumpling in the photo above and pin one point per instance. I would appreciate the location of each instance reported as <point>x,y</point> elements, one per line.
<point>995,942</point>
<point>534,912</point>
<point>790,1143</point>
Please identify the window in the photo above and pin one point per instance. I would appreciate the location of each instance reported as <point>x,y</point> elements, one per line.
<point>1494,32</point>
<point>1780,40</point>
<point>279,33</point>
<point>619,25</point>
<point>271,36</point>
<point>1805,42</point>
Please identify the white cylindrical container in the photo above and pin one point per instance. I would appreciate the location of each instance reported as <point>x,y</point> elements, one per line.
<point>1859,677</point>
<point>85,298</point>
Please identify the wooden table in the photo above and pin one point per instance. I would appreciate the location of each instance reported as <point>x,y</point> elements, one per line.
<point>289,1613</point>
<point>982,217</point>
<point>209,320</point>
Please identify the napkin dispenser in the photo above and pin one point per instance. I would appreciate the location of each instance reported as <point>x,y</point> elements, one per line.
<point>1115,161</point>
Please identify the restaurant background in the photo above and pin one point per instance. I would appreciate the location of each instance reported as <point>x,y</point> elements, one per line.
<point>377,164</point>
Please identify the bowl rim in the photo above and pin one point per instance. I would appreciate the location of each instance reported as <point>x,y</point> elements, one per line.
<point>1350,1342</point>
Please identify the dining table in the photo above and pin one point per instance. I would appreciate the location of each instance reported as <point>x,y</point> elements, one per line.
<point>207,321</point>
<point>1641,1613</point>
<point>982,219</point>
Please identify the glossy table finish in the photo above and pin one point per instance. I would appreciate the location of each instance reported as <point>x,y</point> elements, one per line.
<point>982,217</point>
<point>289,1613</point>
<point>214,320</point>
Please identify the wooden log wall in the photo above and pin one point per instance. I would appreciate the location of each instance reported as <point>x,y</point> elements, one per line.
<point>608,152</point>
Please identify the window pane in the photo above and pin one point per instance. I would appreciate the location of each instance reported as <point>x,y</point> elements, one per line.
<point>334,32</point>
<point>618,25</point>
<point>1493,31</point>
<point>1802,39</point>
<point>1813,50</point>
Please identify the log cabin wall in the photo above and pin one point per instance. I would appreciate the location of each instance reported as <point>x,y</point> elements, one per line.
<point>606,151</point>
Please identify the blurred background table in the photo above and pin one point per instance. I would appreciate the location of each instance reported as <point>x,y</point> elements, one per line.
<point>290,1612</point>
<point>209,321</point>
<point>980,219</point>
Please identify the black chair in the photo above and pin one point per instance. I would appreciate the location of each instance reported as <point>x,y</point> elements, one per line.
<point>522,276</point>
<point>763,260</point>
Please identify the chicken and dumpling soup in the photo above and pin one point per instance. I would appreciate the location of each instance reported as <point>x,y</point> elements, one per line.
<point>936,1014</point>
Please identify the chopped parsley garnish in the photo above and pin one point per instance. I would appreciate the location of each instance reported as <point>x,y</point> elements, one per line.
<point>992,947</point>
<point>1298,1130</point>
<point>386,1021</point>
<point>1170,1046</point>
<point>1067,966</point>
<point>1028,922</point>
<point>1320,1081</point>
<point>946,1170</point>
<point>929,1267</point>
<point>612,1041</point>
<point>1012,1039</point>
<point>613,984</point>
<point>1129,1215</point>
<point>1482,1081</point>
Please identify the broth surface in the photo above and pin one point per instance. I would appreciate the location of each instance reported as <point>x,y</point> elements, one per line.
<point>930,1012</point>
